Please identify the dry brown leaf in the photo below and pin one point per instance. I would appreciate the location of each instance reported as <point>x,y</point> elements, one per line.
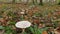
<point>44,32</point>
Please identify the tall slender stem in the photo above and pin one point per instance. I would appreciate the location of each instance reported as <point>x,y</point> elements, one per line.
<point>23,30</point>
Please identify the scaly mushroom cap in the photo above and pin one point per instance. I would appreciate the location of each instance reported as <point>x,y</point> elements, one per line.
<point>23,24</point>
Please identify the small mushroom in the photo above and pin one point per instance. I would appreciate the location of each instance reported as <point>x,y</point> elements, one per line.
<point>22,12</point>
<point>23,25</point>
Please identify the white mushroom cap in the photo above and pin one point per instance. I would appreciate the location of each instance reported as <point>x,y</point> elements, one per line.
<point>22,12</point>
<point>23,24</point>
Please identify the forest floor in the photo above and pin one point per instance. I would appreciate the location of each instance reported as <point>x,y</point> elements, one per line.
<point>8,13</point>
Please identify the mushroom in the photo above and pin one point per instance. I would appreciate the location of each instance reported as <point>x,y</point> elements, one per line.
<point>22,12</point>
<point>23,25</point>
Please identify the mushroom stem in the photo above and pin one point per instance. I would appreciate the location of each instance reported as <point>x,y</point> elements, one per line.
<point>23,30</point>
<point>22,17</point>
